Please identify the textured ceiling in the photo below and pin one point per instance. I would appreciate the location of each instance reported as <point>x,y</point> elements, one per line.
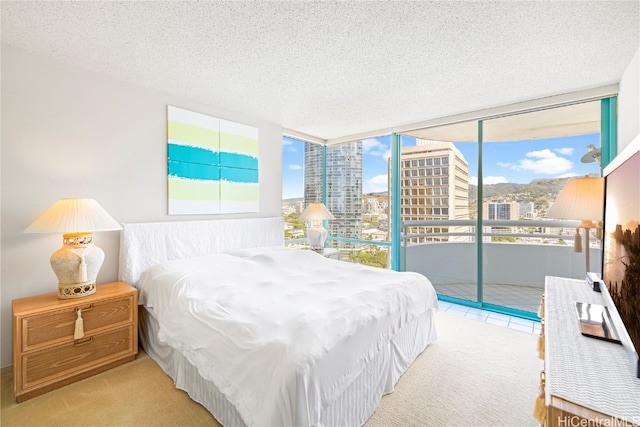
<point>331,69</point>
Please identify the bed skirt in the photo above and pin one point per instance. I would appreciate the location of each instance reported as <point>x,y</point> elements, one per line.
<point>356,404</point>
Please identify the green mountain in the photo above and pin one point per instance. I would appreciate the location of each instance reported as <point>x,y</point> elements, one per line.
<point>538,191</point>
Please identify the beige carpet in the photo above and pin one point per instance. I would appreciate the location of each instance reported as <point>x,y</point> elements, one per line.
<point>476,374</point>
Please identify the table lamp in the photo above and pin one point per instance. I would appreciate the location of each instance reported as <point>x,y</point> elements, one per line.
<point>78,262</point>
<point>583,199</point>
<point>316,233</point>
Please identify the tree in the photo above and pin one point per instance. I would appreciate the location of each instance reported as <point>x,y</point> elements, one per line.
<point>504,239</point>
<point>373,258</point>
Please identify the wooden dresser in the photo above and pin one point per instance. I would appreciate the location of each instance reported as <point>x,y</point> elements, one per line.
<point>588,382</point>
<point>46,355</point>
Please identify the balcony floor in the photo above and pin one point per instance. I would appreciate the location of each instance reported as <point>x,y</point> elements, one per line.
<point>526,298</point>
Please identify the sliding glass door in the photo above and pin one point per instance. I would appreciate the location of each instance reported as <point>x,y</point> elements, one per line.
<point>527,160</point>
<point>438,207</point>
<point>496,244</point>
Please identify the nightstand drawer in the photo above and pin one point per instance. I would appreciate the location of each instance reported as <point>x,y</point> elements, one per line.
<point>48,365</point>
<point>58,326</point>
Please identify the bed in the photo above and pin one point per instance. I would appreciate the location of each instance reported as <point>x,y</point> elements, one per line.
<point>263,335</point>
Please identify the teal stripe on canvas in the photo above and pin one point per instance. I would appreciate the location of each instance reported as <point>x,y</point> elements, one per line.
<point>237,160</point>
<point>186,153</point>
<point>239,175</point>
<point>194,171</point>
<point>191,154</point>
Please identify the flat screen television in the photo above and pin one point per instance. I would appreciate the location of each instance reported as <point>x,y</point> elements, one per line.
<point>621,240</point>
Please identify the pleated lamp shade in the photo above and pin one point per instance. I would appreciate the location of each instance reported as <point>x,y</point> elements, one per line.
<point>582,198</point>
<point>73,215</point>
<point>317,212</point>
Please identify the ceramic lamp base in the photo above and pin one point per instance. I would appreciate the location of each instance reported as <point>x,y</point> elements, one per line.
<point>316,235</point>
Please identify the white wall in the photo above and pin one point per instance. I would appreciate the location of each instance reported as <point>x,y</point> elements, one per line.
<point>68,132</point>
<point>629,103</point>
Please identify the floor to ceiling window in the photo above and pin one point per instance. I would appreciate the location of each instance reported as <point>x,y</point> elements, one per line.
<point>438,207</point>
<point>351,179</point>
<point>302,183</point>
<point>520,164</point>
<point>357,193</point>
<point>527,160</point>
<point>464,203</point>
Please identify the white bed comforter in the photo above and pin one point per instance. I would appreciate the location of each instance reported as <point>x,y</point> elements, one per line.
<point>280,333</point>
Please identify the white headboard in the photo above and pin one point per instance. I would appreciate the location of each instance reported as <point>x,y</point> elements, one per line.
<point>145,244</point>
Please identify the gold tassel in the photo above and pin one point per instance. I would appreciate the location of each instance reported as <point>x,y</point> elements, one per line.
<point>79,331</point>
<point>539,406</point>
<point>541,308</point>
<point>541,341</point>
<point>577,241</point>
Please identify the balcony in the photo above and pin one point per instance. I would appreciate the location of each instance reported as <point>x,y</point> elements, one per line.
<point>512,272</point>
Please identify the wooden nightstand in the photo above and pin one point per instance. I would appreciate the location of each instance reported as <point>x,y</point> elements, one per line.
<point>45,354</point>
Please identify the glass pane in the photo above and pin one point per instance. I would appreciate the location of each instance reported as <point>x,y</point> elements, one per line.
<point>358,197</point>
<point>527,160</point>
<point>344,192</point>
<point>437,207</point>
<point>357,194</point>
<point>302,171</point>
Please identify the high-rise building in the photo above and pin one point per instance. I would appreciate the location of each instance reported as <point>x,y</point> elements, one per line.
<point>434,179</point>
<point>343,187</point>
<point>313,173</point>
<point>501,211</point>
<point>528,210</point>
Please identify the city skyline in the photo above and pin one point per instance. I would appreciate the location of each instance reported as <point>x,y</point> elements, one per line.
<point>514,161</point>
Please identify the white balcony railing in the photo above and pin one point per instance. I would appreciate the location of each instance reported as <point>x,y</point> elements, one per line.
<point>540,248</point>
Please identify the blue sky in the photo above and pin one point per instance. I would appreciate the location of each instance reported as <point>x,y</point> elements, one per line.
<point>515,161</point>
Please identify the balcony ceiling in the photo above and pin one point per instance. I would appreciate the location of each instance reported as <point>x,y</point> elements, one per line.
<point>576,119</point>
<point>333,69</point>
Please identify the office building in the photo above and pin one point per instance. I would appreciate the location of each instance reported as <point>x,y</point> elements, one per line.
<point>435,185</point>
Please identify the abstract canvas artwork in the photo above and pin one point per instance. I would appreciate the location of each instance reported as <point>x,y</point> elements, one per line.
<point>212,164</point>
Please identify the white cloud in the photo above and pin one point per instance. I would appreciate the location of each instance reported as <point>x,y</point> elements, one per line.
<point>376,184</point>
<point>374,147</point>
<point>566,151</point>
<point>567,175</point>
<point>541,154</point>
<point>488,180</point>
<point>287,144</point>
<point>546,166</point>
<point>295,167</point>
<point>542,162</point>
